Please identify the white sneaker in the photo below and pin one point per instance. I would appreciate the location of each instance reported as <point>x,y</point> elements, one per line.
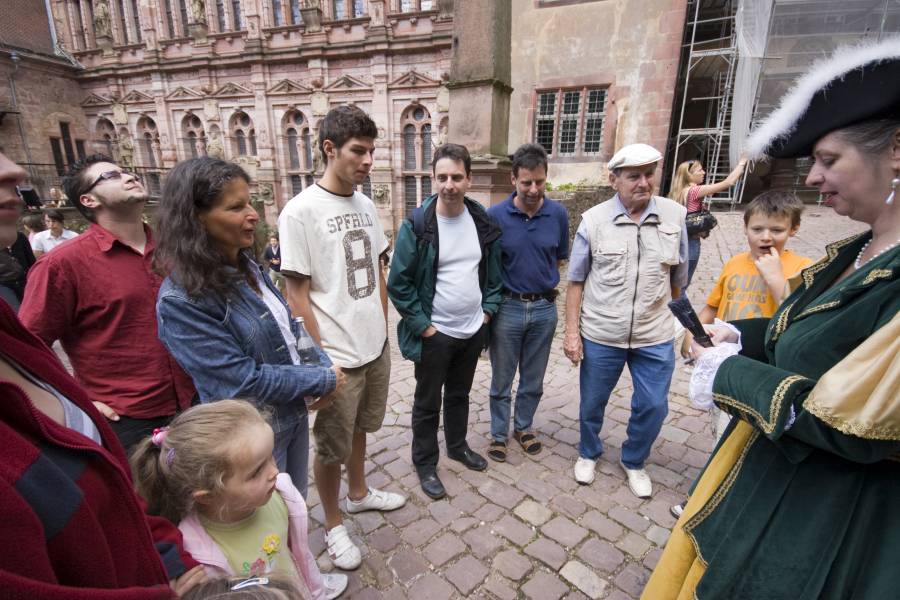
<point>335,584</point>
<point>639,482</point>
<point>584,470</point>
<point>343,552</point>
<point>376,500</point>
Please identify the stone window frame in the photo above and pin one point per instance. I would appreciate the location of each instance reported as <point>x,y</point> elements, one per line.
<point>297,178</point>
<point>559,116</point>
<point>348,11</point>
<point>66,148</point>
<point>412,6</point>
<point>243,134</point>
<point>416,169</point>
<point>192,133</point>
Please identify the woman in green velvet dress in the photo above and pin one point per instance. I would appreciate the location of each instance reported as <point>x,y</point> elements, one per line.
<point>801,498</point>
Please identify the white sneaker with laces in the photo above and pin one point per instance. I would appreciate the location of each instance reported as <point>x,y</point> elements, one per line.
<point>639,482</point>
<point>584,470</point>
<point>335,584</point>
<point>376,500</point>
<point>343,552</point>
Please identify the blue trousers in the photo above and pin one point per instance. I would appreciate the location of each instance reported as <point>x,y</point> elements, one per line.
<point>693,258</point>
<point>651,370</point>
<point>521,335</point>
<point>291,453</point>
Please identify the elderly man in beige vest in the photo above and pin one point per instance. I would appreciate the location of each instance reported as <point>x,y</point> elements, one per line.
<point>629,258</point>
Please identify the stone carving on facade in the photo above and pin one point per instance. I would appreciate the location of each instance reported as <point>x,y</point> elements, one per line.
<point>441,137</point>
<point>102,25</point>
<point>120,115</point>
<point>198,9</point>
<point>319,103</point>
<point>443,99</point>
<point>445,9</point>
<point>126,151</point>
<point>312,15</point>
<point>266,194</point>
<point>318,162</point>
<point>376,13</point>
<point>248,163</point>
<point>381,194</point>
<point>214,146</point>
<point>211,110</point>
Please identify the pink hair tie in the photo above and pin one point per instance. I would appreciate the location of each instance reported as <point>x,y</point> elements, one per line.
<point>159,436</point>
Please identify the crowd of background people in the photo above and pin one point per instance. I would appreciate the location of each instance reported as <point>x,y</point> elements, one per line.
<point>188,358</point>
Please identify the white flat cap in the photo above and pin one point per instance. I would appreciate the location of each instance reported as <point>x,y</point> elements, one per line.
<point>634,155</point>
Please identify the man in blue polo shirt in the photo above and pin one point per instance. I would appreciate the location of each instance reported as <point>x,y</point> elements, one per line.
<point>535,238</point>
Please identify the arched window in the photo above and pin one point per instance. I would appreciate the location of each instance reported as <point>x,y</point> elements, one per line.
<point>193,136</point>
<point>244,134</point>
<point>297,155</point>
<point>105,139</point>
<point>417,152</point>
<point>147,155</point>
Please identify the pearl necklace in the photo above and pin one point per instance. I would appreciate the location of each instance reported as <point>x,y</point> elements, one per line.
<point>857,264</point>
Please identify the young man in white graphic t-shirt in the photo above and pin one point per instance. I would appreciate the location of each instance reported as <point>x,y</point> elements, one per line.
<point>331,241</point>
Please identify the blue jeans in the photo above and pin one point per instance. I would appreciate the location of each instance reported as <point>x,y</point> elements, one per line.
<point>291,453</point>
<point>521,334</point>
<point>693,258</point>
<point>651,370</point>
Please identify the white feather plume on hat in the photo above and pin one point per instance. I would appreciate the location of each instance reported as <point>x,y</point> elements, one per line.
<point>783,121</point>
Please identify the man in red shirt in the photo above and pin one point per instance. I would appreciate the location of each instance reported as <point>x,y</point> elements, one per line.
<point>97,296</point>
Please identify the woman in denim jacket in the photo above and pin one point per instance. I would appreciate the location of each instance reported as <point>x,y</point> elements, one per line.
<point>220,315</point>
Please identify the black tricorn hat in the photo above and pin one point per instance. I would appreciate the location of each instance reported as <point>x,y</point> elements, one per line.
<point>855,84</point>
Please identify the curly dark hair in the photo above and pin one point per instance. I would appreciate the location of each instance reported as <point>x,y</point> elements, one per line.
<point>74,182</point>
<point>184,250</point>
<point>342,123</point>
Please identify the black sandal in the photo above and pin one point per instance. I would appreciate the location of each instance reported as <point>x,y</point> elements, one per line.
<point>529,442</point>
<point>497,451</point>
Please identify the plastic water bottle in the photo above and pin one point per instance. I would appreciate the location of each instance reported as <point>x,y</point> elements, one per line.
<point>306,347</point>
<point>306,350</point>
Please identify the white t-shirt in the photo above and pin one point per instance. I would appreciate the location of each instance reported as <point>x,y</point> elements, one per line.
<point>336,241</point>
<point>281,317</point>
<point>45,242</point>
<point>456,310</point>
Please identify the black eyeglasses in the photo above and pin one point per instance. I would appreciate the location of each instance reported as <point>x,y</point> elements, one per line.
<point>112,175</point>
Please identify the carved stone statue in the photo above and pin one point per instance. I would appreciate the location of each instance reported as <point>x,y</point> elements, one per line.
<point>318,159</point>
<point>214,147</point>
<point>198,9</point>
<point>126,151</point>
<point>266,194</point>
<point>101,19</point>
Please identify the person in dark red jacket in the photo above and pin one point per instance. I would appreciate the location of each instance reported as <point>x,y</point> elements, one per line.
<point>71,524</point>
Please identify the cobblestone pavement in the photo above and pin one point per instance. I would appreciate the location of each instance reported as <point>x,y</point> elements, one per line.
<point>526,528</point>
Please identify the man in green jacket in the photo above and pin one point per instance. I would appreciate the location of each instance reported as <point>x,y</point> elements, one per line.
<point>446,297</point>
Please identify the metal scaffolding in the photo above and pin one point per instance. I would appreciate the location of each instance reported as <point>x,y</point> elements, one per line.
<point>709,62</point>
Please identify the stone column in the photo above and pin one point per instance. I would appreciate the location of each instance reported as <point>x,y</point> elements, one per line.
<point>479,93</point>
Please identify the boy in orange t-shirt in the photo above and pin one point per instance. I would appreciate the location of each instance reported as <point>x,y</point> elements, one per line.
<point>753,284</point>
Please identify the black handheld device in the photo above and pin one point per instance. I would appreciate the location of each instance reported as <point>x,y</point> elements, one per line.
<point>685,314</point>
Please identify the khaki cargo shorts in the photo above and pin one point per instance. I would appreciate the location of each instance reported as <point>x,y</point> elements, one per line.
<point>359,406</point>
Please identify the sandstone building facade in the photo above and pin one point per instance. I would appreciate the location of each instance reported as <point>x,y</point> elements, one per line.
<point>153,82</point>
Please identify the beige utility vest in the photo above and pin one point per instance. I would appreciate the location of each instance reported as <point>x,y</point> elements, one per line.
<point>628,286</point>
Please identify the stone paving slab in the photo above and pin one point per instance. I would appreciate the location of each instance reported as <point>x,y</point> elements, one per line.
<point>525,529</point>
